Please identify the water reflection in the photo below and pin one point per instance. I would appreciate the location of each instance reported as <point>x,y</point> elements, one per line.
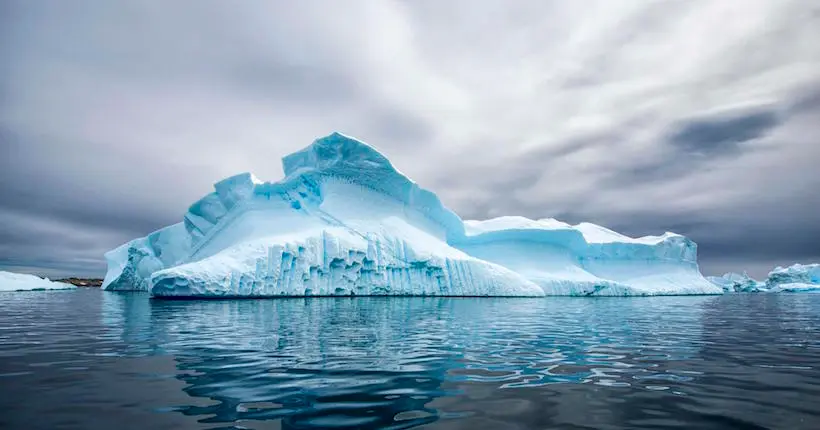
<point>761,354</point>
<point>402,362</point>
<point>88,359</point>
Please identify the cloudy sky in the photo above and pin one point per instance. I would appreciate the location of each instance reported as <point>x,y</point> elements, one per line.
<point>700,117</point>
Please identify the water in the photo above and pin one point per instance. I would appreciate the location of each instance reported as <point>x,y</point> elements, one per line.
<point>91,359</point>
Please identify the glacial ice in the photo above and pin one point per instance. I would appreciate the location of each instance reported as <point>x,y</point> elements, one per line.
<point>737,283</point>
<point>131,265</point>
<point>344,221</point>
<point>794,279</point>
<point>587,259</point>
<point>21,282</point>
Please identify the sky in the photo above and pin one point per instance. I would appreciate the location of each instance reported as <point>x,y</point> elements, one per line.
<point>695,116</point>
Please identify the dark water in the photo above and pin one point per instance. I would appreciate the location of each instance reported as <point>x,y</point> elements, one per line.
<point>89,359</point>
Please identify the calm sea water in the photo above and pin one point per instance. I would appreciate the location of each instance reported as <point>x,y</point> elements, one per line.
<point>91,359</point>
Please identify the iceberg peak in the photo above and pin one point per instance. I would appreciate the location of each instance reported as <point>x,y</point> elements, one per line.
<point>341,158</point>
<point>336,151</point>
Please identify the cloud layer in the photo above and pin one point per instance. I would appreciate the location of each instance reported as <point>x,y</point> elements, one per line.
<point>699,117</point>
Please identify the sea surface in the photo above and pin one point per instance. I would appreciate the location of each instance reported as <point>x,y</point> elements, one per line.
<point>89,359</point>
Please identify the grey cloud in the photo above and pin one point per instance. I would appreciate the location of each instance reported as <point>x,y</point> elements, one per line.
<point>719,135</point>
<point>807,100</point>
<point>521,170</point>
<point>390,124</point>
<point>117,115</point>
<point>701,142</point>
<point>52,185</point>
<point>55,247</point>
<point>294,84</point>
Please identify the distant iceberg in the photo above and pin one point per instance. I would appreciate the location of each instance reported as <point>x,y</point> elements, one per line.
<point>21,282</point>
<point>797,278</point>
<point>738,283</point>
<point>344,221</point>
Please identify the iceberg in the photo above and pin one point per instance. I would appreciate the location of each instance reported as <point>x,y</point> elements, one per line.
<point>345,221</point>
<point>21,282</point>
<point>738,283</point>
<point>795,278</point>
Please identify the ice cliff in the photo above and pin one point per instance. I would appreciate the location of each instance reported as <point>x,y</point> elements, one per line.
<point>21,282</point>
<point>344,221</point>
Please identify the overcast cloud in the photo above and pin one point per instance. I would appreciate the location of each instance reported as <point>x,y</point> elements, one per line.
<point>701,117</point>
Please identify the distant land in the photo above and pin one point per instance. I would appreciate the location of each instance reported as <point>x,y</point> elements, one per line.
<point>82,282</point>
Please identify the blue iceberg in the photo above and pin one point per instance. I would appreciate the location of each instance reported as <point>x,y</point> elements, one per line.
<point>345,221</point>
<point>798,278</point>
<point>738,283</point>
<point>795,278</point>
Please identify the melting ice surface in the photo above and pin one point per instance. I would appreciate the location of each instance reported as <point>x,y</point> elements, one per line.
<point>344,221</point>
<point>21,282</point>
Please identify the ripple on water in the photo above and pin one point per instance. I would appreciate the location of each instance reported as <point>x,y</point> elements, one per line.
<point>86,357</point>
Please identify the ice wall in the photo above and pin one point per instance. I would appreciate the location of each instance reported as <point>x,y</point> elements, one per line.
<point>335,261</point>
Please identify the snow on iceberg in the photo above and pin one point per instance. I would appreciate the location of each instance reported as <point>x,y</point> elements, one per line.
<point>21,282</point>
<point>344,221</point>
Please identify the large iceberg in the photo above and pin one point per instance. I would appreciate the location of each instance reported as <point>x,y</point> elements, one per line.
<point>344,221</point>
<point>21,282</point>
